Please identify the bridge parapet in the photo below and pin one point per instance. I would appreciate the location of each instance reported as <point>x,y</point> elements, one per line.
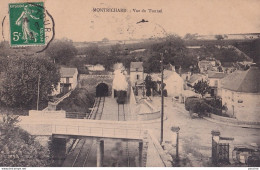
<point>92,128</point>
<point>100,132</point>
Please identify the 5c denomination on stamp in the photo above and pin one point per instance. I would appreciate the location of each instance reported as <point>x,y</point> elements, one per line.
<point>27,24</point>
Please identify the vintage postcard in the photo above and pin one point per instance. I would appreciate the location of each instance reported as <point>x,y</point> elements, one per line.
<point>129,83</point>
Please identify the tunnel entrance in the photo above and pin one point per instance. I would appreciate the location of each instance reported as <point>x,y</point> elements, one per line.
<point>101,90</point>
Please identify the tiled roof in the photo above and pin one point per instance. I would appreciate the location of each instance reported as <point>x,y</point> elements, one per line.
<point>67,72</point>
<point>196,77</point>
<point>218,75</point>
<point>243,81</point>
<point>136,65</point>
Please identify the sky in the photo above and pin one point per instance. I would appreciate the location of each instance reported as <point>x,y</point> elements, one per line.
<point>75,19</point>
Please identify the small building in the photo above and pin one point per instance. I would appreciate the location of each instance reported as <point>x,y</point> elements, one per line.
<point>95,68</point>
<point>241,94</point>
<point>68,80</point>
<point>205,65</point>
<point>136,72</point>
<point>195,78</point>
<point>214,82</point>
<point>174,83</point>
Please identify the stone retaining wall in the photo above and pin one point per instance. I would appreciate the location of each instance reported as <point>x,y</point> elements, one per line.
<point>232,120</point>
<point>162,159</point>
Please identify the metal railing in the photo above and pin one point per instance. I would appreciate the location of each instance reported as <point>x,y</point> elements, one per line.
<point>75,115</point>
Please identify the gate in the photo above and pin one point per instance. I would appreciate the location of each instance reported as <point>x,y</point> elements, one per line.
<point>223,153</point>
<point>220,150</point>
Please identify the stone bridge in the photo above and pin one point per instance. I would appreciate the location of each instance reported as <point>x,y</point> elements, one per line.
<point>98,84</point>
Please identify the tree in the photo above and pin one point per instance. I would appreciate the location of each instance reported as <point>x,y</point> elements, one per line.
<point>228,55</point>
<point>105,40</point>
<point>61,51</point>
<point>219,37</point>
<point>148,85</point>
<point>115,50</point>
<point>19,148</point>
<point>174,52</point>
<point>201,87</point>
<point>79,64</point>
<point>20,82</point>
<point>190,36</point>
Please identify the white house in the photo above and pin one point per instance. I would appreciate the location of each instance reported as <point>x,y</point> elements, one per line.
<point>214,82</point>
<point>68,80</point>
<point>136,72</point>
<point>93,68</point>
<point>241,94</point>
<point>174,83</point>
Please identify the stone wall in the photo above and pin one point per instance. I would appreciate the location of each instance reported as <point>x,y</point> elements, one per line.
<point>90,82</point>
<point>47,114</point>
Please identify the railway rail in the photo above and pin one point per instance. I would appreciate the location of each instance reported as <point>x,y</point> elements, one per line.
<point>83,155</point>
<point>82,151</point>
<point>124,119</point>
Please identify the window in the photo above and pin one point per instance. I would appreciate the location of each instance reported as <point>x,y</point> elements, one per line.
<point>136,69</point>
<point>232,96</point>
<point>67,80</point>
<point>216,83</point>
<point>137,77</point>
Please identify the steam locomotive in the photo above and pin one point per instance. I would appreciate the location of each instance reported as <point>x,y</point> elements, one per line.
<point>121,96</point>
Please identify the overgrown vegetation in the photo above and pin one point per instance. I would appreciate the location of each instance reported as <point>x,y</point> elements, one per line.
<point>20,78</point>
<point>80,100</point>
<point>18,148</point>
<point>203,106</point>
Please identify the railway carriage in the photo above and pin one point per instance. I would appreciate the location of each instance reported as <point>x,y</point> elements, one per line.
<point>121,96</point>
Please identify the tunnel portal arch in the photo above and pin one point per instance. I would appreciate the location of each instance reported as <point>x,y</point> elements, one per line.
<point>101,90</point>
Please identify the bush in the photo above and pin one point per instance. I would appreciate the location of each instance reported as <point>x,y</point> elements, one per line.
<point>18,148</point>
<point>80,100</point>
<point>197,105</point>
<point>214,102</point>
<point>202,105</point>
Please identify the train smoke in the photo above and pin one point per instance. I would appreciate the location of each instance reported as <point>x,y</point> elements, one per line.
<point>119,82</point>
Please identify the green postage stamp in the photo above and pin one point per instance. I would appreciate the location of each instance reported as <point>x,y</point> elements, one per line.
<point>27,24</point>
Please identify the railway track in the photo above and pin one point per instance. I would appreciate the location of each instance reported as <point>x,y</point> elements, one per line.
<point>127,144</point>
<point>98,107</point>
<point>84,153</point>
<point>81,153</point>
<point>121,114</point>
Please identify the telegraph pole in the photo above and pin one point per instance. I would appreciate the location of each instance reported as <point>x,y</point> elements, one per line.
<point>38,93</point>
<point>162,99</point>
<point>143,84</point>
